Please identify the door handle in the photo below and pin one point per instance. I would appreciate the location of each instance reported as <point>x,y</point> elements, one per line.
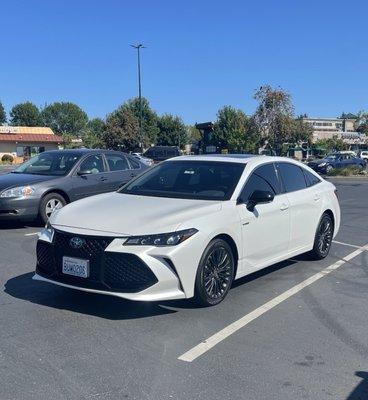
<point>284,207</point>
<point>317,197</point>
<point>103,178</point>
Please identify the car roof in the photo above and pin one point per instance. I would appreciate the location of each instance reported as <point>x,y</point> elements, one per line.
<point>239,158</point>
<point>83,151</point>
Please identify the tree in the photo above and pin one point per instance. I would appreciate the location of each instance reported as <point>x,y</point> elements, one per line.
<point>348,116</point>
<point>301,132</point>
<point>334,144</point>
<point>93,134</point>
<point>274,115</point>
<point>362,122</point>
<point>2,114</point>
<point>235,131</point>
<point>121,130</point>
<point>25,114</point>
<point>171,131</point>
<point>65,118</point>
<point>149,119</point>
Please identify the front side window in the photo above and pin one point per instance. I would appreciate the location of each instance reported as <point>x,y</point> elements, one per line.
<point>53,163</point>
<point>93,164</point>
<point>292,177</point>
<point>205,180</point>
<point>117,162</point>
<point>262,178</point>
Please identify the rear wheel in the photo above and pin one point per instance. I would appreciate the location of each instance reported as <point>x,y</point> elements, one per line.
<point>215,273</point>
<point>329,168</point>
<point>323,238</point>
<point>50,203</point>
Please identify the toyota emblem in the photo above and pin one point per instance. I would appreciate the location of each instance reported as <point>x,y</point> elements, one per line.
<point>76,242</point>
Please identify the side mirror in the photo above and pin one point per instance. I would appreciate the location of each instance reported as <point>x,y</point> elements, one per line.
<point>82,172</point>
<point>259,197</point>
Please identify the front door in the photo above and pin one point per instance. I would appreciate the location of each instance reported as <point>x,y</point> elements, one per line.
<point>265,230</point>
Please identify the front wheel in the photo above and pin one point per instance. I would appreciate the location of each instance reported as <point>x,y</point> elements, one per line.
<point>50,203</point>
<point>323,238</point>
<point>215,273</point>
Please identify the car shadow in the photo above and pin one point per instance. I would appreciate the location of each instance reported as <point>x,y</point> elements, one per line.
<point>4,225</point>
<point>361,391</point>
<point>46,294</point>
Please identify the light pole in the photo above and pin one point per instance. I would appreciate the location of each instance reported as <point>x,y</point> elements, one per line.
<point>138,47</point>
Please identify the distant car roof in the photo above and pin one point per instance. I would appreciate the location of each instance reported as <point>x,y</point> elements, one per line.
<point>83,151</point>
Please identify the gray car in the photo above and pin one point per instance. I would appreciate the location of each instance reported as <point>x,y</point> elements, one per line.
<point>52,179</point>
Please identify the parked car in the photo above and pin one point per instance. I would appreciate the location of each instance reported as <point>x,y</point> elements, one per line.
<point>52,179</point>
<point>189,227</point>
<point>144,160</point>
<point>363,154</point>
<point>162,153</point>
<point>336,160</point>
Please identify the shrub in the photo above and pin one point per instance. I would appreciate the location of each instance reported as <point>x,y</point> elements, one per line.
<point>7,158</point>
<point>348,171</point>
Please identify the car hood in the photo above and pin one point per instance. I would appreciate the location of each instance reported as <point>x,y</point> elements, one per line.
<point>122,214</point>
<point>13,180</point>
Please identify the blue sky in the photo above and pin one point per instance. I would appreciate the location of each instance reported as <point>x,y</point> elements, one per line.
<point>200,55</point>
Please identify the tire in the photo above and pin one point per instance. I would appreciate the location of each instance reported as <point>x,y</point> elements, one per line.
<point>329,168</point>
<point>215,273</point>
<point>323,238</point>
<point>50,203</point>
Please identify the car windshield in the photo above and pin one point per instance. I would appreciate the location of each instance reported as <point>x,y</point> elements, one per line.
<point>205,180</point>
<point>49,163</point>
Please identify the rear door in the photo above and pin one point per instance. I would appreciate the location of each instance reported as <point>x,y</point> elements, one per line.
<point>265,231</point>
<point>119,171</point>
<point>305,203</point>
<point>93,180</point>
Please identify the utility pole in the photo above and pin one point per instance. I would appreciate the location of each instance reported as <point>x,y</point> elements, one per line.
<point>138,47</point>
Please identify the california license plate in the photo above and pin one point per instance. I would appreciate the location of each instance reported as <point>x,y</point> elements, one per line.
<point>76,267</point>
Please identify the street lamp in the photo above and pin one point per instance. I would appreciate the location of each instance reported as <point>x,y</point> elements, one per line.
<point>138,47</point>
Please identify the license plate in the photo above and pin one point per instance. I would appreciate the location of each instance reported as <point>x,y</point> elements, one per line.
<point>76,267</point>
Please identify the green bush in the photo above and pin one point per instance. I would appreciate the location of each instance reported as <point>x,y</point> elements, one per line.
<point>348,171</point>
<point>7,158</point>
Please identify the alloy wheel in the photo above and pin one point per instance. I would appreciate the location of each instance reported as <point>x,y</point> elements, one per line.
<point>324,236</point>
<point>51,206</point>
<point>217,272</point>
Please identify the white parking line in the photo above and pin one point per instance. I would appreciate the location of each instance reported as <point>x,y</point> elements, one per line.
<point>218,337</point>
<point>346,244</point>
<point>31,234</point>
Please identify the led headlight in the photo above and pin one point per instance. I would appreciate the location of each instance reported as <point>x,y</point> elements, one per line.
<point>322,164</point>
<point>21,191</point>
<point>163,239</point>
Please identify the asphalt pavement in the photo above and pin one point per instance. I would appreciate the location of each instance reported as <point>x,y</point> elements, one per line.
<point>57,343</point>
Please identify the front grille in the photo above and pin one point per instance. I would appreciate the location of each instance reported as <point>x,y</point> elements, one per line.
<point>107,271</point>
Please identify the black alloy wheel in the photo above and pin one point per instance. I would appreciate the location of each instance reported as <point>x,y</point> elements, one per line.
<point>215,273</point>
<point>323,238</point>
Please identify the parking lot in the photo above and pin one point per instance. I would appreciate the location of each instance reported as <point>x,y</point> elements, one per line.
<point>300,330</point>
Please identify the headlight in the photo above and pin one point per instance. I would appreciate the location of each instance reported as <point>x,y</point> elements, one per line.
<point>322,164</point>
<point>21,191</point>
<point>163,239</point>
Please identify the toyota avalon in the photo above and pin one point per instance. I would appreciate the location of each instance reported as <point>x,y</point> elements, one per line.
<point>188,227</point>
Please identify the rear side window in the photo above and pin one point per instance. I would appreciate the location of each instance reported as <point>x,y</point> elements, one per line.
<point>310,178</point>
<point>292,177</point>
<point>134,164</point>
<point>117,162</point>
<point>262,178</point>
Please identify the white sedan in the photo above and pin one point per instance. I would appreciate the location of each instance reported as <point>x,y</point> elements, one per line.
<point>188,227</point>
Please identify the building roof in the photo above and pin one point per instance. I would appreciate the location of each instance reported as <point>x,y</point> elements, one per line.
<point>33,138</point>
<point>33,130</point>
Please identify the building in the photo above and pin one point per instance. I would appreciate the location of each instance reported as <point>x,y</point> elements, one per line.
<point>22,142</point>
<point>327,128</point>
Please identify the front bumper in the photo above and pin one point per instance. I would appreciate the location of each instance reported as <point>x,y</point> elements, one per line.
<point>19,208</point>
<point>144,273</point>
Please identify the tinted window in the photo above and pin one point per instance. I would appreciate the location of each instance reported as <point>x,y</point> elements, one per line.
<point>53,163</point>
<point>134,164</point>
<point>93,164</point>
<point>310,178</point>
<point>205,180</point>
<point>263,178</point>
<point>117,162</point>
<point>292,177</point>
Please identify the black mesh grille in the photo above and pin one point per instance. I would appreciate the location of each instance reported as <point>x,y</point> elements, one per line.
<point>127,271</point>
<point>107,271</point>
<point>45,258</point>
